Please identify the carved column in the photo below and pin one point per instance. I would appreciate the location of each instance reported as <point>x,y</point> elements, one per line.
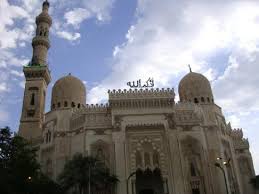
<point>119,146</point>
<point>177,186</point>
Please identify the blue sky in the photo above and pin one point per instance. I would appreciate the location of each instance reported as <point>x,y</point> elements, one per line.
<point>109,42</point>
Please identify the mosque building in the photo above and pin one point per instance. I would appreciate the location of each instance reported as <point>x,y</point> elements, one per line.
<point>152,143</point>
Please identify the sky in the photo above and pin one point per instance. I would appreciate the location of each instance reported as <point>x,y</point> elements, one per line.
<point>106,43</point>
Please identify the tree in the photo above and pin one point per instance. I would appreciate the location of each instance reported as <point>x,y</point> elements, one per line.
<point>19,169</point>
<point>79,169</point>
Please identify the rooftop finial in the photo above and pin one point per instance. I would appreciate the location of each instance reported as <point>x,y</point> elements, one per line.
<point>190,68</point>
<point>45,4</point>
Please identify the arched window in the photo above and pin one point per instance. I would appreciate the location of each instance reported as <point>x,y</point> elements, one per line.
<point>59,104</point>
<point>49,167</point>
<point>100,156</point>
<point>65,104</point>
<point>196,100</point>
<point>138,160</point>
<point>147,159</point>
<point>202,99</point>
<point>73,104</point>
<point>78,106</point>
<point>192,169</point>
<point>53,106</point>
<point>45,33</point>
<point>49,136</point>
<point>208,99</point>
<point>32,99</point>
<point>156,159</point>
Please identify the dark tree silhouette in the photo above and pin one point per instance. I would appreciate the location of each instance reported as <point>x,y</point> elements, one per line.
<point>77,171</point>
<point>19,170</point>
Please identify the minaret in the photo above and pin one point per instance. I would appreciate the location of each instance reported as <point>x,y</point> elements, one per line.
<point>37,76</point>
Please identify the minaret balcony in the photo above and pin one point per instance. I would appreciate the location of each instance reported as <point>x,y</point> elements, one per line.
<point>44,17</point>
<point>37,72</point>
<point>41,40</point>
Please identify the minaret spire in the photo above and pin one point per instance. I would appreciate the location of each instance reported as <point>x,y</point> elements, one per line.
<point>40,42</point>
<point>37,76</point>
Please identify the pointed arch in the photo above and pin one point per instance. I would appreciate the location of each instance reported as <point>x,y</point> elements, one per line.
<point>156,158</point>
<point>138,160</point>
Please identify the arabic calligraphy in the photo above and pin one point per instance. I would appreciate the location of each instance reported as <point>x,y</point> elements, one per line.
<point>147,84</point>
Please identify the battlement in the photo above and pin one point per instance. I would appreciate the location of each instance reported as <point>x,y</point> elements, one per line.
<point>237,133</point>
<point>140,94</point>
<point>159,98</point>
<point>92,108</point>
<point>239,141</point>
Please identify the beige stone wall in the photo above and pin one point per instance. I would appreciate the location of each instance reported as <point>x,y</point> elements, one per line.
<point>181,134</point>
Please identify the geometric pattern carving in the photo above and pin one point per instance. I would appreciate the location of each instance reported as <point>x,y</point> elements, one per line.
<point>146,151</point>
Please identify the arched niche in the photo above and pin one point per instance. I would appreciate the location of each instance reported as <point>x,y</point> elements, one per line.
<point>101,151</point>
<point>193,164</point>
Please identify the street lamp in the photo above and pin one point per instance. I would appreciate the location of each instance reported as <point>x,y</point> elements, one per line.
<point>127,181</point>
<point>222,169</point>
<point>89,177</point>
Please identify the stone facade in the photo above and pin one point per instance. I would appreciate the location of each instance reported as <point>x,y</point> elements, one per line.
<point>143,133</point>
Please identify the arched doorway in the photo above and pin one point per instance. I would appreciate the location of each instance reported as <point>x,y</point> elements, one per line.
<point>147,191</point>
<point>149,181</point>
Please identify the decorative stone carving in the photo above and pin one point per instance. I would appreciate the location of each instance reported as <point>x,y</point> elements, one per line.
<point>102,151</point>
<point>171,120</point>
<point>117,122</point>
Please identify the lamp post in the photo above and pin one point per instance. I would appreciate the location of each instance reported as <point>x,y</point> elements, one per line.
<point>89,181</point>
<point>127,181</point>
<point>89,177</point>
<point>222,169</point>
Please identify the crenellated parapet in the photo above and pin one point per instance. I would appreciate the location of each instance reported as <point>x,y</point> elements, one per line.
<point>133,94</point>
<point>240,143</point>
<point>92,108</point>
<point>153,98</point>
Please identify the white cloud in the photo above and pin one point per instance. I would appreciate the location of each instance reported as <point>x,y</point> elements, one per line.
<point>69,35</point>
<point>168,35</point>
<point>16,73</point>
<point>76,16</point>
<point>101,9</point>
<point>86,9</point>
<point>237,88</point>
<point>22,84</point>
<point>3,87</point>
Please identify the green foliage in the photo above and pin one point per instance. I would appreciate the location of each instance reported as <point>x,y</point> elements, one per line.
<point>77,171</point>
<point>19,170</point>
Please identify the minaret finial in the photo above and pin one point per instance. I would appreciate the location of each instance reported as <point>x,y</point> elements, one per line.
<point>190,68</point>
<point>45,5</point>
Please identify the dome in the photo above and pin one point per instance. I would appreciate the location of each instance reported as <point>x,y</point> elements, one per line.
<point>194,87</point>
<point>68,91</point>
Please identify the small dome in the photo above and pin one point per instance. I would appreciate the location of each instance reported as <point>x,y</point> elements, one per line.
<point>68,91</point>
<point>195,87</point>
